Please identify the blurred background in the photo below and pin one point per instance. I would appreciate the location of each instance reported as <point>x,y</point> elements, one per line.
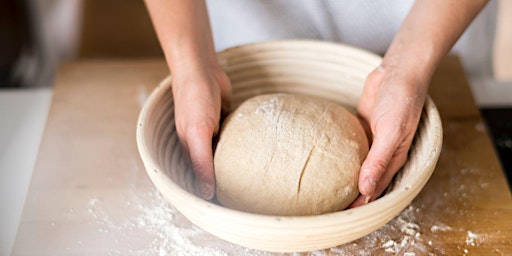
<point>36,36</point>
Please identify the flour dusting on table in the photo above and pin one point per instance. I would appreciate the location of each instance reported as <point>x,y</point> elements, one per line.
<point>172,234</point>
<point>159,220</point>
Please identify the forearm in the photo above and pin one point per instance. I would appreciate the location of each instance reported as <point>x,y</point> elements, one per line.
<point>184,33</point>
<point>428,33</point>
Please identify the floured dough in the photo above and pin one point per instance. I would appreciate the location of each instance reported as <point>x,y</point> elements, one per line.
<point>285,154</point>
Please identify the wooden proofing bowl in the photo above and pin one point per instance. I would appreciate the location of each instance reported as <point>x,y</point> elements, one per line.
<point>329,70</point>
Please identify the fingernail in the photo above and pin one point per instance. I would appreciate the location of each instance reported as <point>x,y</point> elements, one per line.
<point>206,190</point>
<point>369,186</point>
<point>367,199</point>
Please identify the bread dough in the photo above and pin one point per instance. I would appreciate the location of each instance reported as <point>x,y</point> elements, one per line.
<point>286,154</point>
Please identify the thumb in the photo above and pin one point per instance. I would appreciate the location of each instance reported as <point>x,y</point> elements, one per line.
<point>376,163</point>
<point>201,156</point>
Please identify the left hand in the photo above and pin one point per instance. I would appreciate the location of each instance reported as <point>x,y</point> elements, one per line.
<point>390,108</point>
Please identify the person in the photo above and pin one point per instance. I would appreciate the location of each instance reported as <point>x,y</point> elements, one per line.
<point>390,105</point>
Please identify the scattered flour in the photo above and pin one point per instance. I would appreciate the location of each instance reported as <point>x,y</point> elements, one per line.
<point>440,228</point>
<point>471,238</point>
<point>269,107</point>
<point>159,220</point>
<point>172,234</point>
<point>392,246</point>
<point>401,236</point>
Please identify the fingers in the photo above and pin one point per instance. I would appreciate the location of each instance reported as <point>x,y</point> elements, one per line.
<point>225,93</point>
<point>378,170</point>
<point>370,91</point>
<point>199,98</point>
<point>360,200</point>
<point>376,164</point>
<point>390,108</point>
<point>196,126</point>
<point>366,128</point>
<point>199,145</point>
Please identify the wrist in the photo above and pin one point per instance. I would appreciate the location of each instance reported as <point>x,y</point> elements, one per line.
<point>409,75</point>
<point>420,61</point>
<point>191,57</point>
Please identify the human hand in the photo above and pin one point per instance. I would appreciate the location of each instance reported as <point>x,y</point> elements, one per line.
<point>389,108</point>
<point>200,94</point>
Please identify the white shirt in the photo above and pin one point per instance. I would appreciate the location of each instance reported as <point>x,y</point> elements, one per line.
<point>366,24</point>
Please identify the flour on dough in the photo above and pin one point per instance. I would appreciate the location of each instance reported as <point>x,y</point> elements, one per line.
<point>286,154</point>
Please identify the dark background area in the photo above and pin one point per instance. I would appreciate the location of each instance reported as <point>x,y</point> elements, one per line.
<point>499,123</point>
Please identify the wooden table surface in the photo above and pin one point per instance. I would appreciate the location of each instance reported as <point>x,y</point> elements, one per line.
<point>90,195</point>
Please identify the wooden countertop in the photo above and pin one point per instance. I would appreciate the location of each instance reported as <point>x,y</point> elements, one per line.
<point>90,195</point>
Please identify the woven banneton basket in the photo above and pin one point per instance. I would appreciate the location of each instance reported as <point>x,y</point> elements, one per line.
<point>328,70</point>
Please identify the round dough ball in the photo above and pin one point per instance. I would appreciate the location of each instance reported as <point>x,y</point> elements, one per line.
<point>285,154</point>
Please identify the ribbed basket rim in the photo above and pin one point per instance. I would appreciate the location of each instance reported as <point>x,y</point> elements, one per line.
<point>183,200</point>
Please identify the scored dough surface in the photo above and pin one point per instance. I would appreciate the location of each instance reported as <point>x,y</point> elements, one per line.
<point>287,154</point>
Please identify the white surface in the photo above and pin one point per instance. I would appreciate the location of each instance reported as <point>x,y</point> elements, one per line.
<point>370,25</point>
<point>489,92</point>
<point>22,118</point>
<point>367,25</point>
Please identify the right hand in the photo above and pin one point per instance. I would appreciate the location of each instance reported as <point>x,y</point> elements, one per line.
<point>200,96</point>
<point>390,107</point>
